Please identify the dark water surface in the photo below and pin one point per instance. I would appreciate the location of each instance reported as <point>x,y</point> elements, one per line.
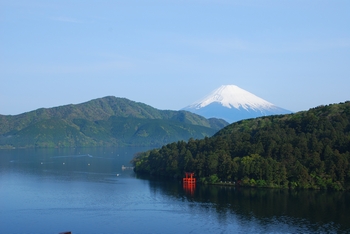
<point>87,191</point>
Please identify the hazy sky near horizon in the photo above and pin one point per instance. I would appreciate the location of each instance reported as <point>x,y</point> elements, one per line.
<point>171,53</point>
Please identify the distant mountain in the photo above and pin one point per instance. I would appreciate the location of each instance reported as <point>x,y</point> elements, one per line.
<point>231,103</point>
<point>107,121</point>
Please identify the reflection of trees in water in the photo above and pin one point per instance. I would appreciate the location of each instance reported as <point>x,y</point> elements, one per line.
<point>315,210</point>
<point>319,207</point>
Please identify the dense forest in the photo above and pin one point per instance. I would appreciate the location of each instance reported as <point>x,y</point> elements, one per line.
<point>309,149</point>
<point>107,121</point>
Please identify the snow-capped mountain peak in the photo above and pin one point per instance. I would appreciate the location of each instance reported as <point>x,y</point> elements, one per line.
<point>233,96</point>
<point>231,103</point>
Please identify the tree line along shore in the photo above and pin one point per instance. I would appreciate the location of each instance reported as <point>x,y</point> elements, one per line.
<point>304,150</point>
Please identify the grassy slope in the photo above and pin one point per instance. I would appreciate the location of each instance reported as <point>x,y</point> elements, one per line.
<point>103,121</point>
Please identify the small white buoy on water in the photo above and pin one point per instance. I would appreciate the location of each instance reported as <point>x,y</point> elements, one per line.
<point>117,174</point>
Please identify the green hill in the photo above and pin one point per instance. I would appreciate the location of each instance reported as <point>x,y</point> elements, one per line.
<point>108,121</point>
<point>309,149</point>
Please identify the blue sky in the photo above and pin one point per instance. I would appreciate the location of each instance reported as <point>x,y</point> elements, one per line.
<point>169,54</point>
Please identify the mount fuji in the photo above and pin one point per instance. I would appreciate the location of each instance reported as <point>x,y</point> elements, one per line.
<point>231,103</point>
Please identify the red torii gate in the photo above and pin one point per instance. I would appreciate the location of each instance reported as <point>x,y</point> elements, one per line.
<point>189,179</point>
<point>189,183</point>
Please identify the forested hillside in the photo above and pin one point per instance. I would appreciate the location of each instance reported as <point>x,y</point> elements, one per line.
<point>108,121</point>
<point>309,149</point>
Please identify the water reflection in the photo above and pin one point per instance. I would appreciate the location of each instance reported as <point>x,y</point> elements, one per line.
<point>189,188</point>
<point>316,211</point>
<point>189,183</point>
<point>35,182</point>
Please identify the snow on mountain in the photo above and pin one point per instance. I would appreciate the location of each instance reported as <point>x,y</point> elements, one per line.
<point>231,103</point>
<point>233,96</point>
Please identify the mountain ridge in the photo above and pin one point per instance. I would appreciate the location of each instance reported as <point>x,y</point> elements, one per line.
<point>94,123</point>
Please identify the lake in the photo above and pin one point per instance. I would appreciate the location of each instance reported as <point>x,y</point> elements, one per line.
<point>87,191</point>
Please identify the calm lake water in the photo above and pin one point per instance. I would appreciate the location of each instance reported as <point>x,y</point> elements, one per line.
<point>87,191</point>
